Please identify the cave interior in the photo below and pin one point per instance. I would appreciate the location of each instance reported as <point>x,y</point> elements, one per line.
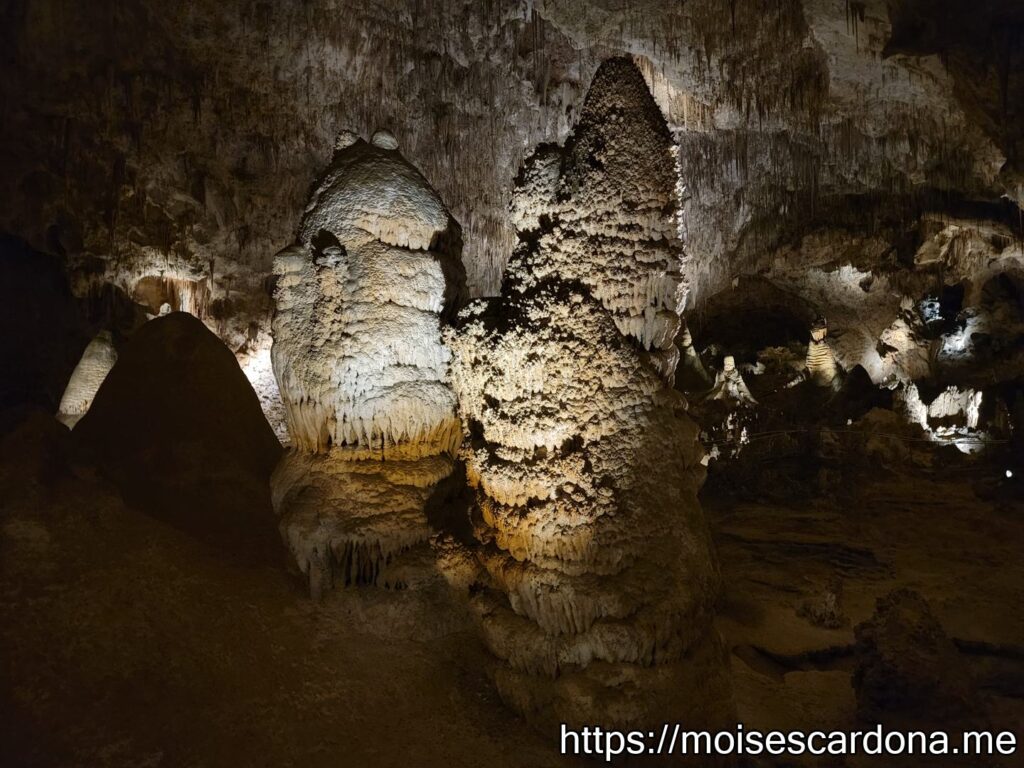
<point>399,383</point>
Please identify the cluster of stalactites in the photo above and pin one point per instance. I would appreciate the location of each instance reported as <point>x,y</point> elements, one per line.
<point>357,341</point>
<point>603,210</point>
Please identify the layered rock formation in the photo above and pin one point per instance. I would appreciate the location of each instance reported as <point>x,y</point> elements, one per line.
<point>97,360</point>
<point>357,347</point>
<point>358,357</point>
<point>594,568</point>
<point>605,211</point>
<point>591,572</point>
<point>167,168</point>
<point>821,363</point>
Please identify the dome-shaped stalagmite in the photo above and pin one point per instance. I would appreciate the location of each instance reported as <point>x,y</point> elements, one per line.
<point>357,347</point>
<point>592,575</point>
<point>358,357</point>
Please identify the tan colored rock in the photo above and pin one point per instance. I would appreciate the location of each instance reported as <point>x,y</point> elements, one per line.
<point>592,576</point>
<point>97,360</point>
<point>604,210</point>
<point>593,554</point>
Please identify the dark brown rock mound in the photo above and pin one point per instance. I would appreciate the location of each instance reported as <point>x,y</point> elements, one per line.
<point>42,333</point>
<point>177,426</point>
<point>909,672</point>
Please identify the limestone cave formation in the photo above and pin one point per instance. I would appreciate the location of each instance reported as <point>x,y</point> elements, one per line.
<point>447,383</point>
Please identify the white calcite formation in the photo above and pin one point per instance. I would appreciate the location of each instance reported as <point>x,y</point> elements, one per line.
<point>357,346</point>
<point>97,360</point>
<point>363,374</point>
<point>729,384</point>
<point>951,409</point>
<point>604,211</point>
<point>591,574</point>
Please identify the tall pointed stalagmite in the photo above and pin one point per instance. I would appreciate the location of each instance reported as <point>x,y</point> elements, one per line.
<point>592,574</point>
<point>604,210</point>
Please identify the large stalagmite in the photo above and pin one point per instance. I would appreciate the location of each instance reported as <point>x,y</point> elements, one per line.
<point>362,371</point>
<point>357,347</point>
<point>592,573</point>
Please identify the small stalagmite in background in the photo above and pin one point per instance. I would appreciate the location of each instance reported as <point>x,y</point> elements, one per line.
<point>821,361</point>
<point>97,360</point>
<point>361,367</point>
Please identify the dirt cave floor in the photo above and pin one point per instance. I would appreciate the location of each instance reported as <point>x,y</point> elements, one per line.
<point>127,643</point>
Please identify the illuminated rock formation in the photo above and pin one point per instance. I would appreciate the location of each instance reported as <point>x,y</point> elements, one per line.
<point>97,360</point>
<point>362,371</point>
<point>729,384</point>
<point>821,363</point>
<point>604,210</point>
<point>357,348</point>
<point>594,566</point>
<point>820,367</point>
<point>592,575</point>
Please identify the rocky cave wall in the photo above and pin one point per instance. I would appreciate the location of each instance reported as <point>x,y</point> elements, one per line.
<point>147,140</point>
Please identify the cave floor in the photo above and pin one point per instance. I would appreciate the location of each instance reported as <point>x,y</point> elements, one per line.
<point>127,643</point>
<point>928,532</point>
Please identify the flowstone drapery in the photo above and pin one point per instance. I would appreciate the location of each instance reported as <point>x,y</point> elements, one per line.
<point>362,371</point>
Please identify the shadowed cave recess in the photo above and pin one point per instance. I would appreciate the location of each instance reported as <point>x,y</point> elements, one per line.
<point>407,383</point>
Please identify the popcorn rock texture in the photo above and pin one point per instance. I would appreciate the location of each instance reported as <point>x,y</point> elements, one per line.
<point>604,210</point>
<point>357,348</point>
<point>591,572</point>
<point>361,368</point>
<point>97,360</point>
<point>592,559</point>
